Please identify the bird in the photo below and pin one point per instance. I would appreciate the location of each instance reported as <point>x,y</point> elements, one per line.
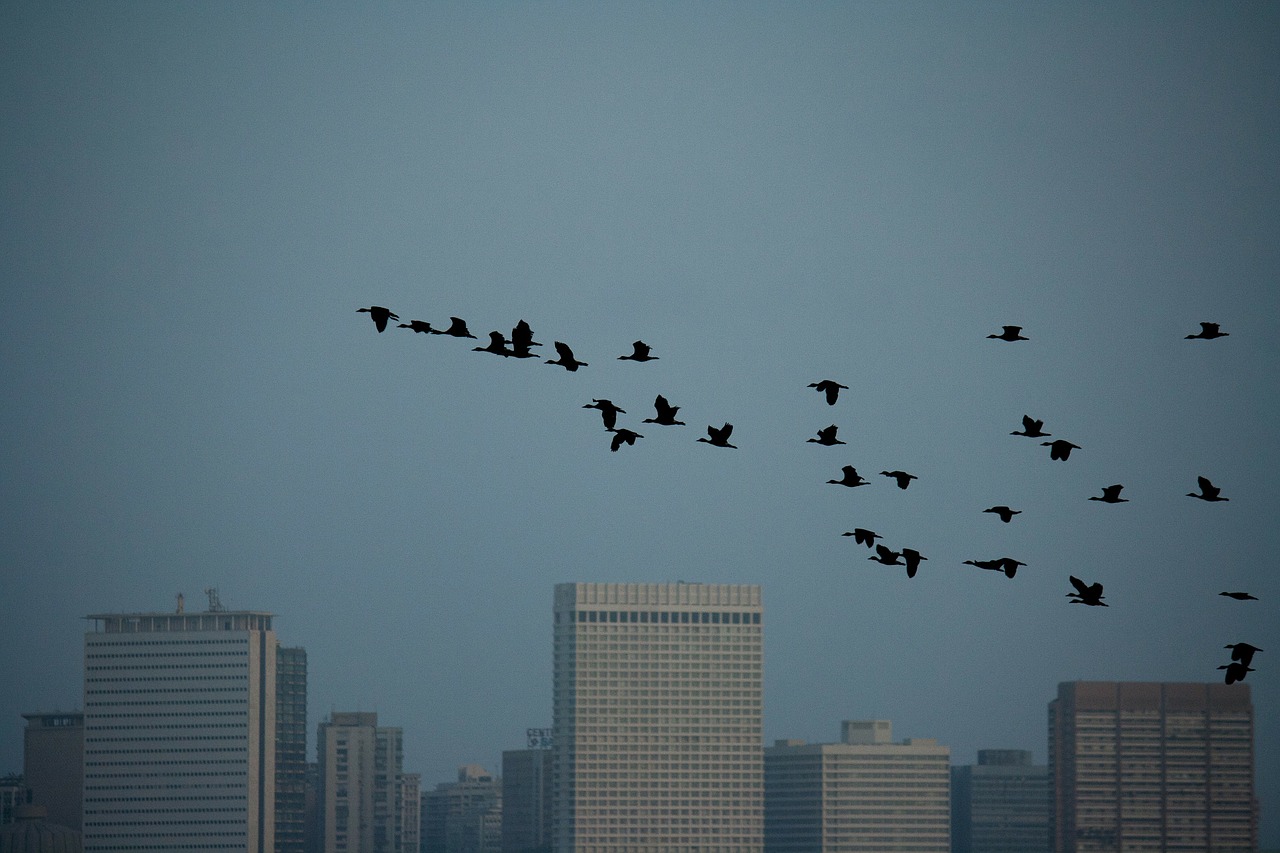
<point>719,437</point>
<point>1010,333</point>
<point>522,341</point>
<point>1239,596</point>
<point>418,326</point>
<point>862,536</point>
<point>1059,448</point>
<point>623,435</point>
<point>1006,514</point>
<point>608,412</point>
<point>1032,428</point>
<point>1111,495</point>
<point>379,315</point>
<point>912,557</point>
<point>666,413</point>
<point>989,565</point>
<point>1090,594</point>
<point>1208,331</point>
<point>1235,672</point>
<point>826,437</point>
<point>902,477</point>
<point>639,352</point>
<point>497,345</point>
<point>886,557</point>
<point>1242,652</point>
<point>1208,491</point>
<point>457,328</point>
<point>851,478</point>
<point>566,360</point>
<point>829,387</point>
<point>1009,566</point>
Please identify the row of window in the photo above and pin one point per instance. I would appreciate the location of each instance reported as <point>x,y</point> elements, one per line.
<point>667,617</point>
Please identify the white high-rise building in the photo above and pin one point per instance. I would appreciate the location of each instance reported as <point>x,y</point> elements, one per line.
<point>657,718</point>
<point>179,732</point>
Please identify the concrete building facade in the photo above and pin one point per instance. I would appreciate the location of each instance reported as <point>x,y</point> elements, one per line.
<point>291,750</point>
<point>1000,804</point>
<point>360,770</point>
<point>1152,766</point>
<point>53,764</point>
<point>526,801</point>
<point>657,718</point>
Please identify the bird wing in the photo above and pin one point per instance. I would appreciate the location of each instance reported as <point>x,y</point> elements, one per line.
<point>1080,585</point>
<point>562,349</point>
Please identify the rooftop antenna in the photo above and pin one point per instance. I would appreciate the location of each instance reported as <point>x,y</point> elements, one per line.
<point>179,602</point>
<point>215,606</point>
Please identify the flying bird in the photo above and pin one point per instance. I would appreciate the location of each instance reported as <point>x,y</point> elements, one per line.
<point>851,478</point>
<point>719,437</point>
<point>522,340</point>
<point>666,413</point>
<point>1090,594</point>
<point>1242,652</point>
<point>1111,495</point>
<point>639,352</point>
<point>1235,672</point>
<point>1208,331</point>
<point>497,345</point>
<point>902,477</point>
<point>379,315</point>
<point>457,328</point>
<point>418,326</point>
<point>912,557</point>
<point>1008,565</point>
<point>566,360</point>
<point>608,412</point>
<point>1208,491</point>
<point>886,557</point>
<point>862,536</point>
<point>829,387</point>
<point>1059,448</point>
<point>1006,514</point>
<point>1010,333</point>
<point>1239,596</point>
<point>623,435</point>
<point>1032,428</point>
<point>826,437</point>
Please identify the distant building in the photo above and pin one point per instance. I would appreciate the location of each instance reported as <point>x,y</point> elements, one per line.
<point>180,721</point>
<point>657,718</point>
<point>360,772</point>
<point>1152,766</point>
<point>31,832</point>
<point>291,750</point>
<point>409,828</point>
<point>526,801</point>
<point>864,793</point>
<point>53,764</point>
<point>1000,804</point>
<point>463,816</point>
<point>13,793</point>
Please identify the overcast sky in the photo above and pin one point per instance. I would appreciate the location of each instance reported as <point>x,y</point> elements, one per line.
<point>195,198</point>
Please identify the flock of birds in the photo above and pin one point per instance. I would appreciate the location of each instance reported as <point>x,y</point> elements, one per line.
<point>520,345</point>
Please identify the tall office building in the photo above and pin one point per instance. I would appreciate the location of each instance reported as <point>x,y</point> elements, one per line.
<point>657,706</point>
<point>180,731</point>
<point>864,793</point>
<point>53,764</point>
<point>409,818</point>
<point>1000,804</point>
<point>1152,766</point>
<point>360,769</point>
<point>291,750</point>
<point>526,801</point>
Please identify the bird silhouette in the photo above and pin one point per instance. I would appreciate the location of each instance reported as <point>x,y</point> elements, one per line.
<point>1010,333</point>
<point>886,557</point>
<point>1208,331</point>
<point>719,437</point>
<point>1031,428</point>
<point>566,360</point>
<point>1006,514</point>
<point>457,328</point>
<point>1008,565</point>
<point>379,315</point>
<point>1242,652</point>
<point>1239,596</point>
<point>666,413</point>
<point>1090,594</point>
<point>608,412</point>
<point>1111,495</point>
<point>1235,672</point>
<point>639,352</point>
<point>851,478</point>
<point>829,387</point>
<point>912,558</point>
<point>1059,448</point>
<point>1208,491</point>
<point>623,435</point>
<point>418,326</point>
<point>902,477</point>
<point>522,341</point>
<point>497,345</point>
<point>862,536</point>
<point>826,437</point>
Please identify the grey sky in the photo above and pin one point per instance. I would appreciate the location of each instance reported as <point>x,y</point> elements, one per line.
<point>197,197</point>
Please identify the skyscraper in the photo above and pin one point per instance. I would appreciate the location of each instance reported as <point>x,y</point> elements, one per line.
<point>1152,766</point>
<point>180,731</point>
<point>291,749</point>
<point>526,801</point>
<point>360,770</point>
<point>864,793</point>
<point>53,764</point>
<point>1000,804</point>
<point>657,707</point>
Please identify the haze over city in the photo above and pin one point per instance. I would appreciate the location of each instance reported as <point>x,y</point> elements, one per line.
<point>197,198</point>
